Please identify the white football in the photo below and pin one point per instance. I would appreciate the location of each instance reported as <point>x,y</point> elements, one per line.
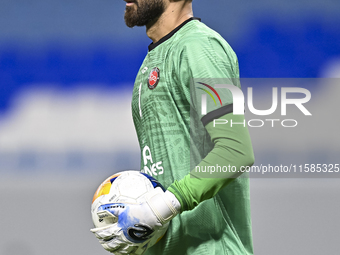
<point>123,187</point>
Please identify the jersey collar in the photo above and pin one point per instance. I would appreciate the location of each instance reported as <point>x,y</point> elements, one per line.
<point>168,36</point>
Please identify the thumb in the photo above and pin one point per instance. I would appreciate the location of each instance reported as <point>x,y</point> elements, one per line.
<point>108,213</point>
<point>109,210</point>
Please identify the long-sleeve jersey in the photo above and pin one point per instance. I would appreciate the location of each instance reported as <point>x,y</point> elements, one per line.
<point>175,99</point>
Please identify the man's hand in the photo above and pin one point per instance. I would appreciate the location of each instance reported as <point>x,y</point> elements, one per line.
<point>137,226</point>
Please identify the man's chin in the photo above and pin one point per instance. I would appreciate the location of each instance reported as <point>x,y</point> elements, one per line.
<point>129,17</point>
<point>130,25</point>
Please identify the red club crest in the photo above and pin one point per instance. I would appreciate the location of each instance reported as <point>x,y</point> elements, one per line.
<point>153,78</point>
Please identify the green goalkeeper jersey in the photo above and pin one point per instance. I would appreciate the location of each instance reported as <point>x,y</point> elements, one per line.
<point>169,116</point>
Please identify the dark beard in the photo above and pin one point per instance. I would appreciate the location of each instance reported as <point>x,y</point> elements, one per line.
<point>144,12</point>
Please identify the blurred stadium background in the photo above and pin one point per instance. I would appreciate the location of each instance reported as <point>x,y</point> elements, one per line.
<point>66,74</point>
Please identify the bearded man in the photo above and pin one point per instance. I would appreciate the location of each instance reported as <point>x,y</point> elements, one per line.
<point>190,140</point>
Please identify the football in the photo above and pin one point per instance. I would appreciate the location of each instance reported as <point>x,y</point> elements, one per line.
<point>127,187</point>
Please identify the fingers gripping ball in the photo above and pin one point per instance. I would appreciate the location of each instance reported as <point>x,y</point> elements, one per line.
<point>130,212</point>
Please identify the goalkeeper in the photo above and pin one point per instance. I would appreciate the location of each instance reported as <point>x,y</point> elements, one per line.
<point>175,104</point>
